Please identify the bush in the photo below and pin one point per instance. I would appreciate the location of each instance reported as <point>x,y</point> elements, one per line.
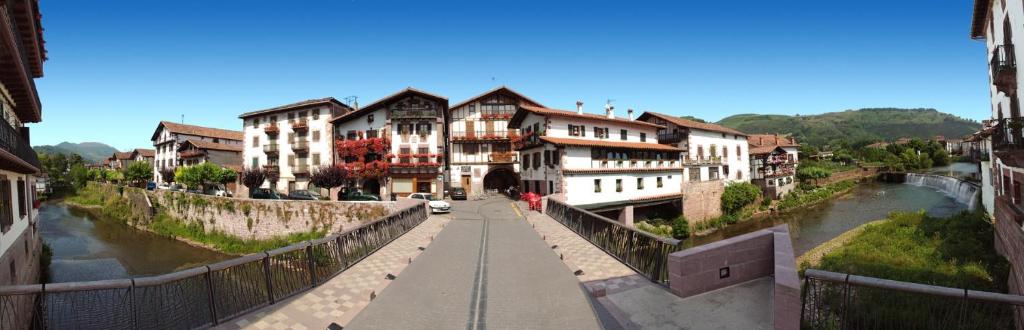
<point>739,195</point>
<point>803,197</point>
<point>658,230</point>
<point>812,173</point>
<point>680,228</point>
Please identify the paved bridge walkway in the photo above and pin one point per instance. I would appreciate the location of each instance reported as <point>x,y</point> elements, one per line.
<point>487,268</point>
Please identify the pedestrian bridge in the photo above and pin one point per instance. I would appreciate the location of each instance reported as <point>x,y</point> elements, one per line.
<point>489,264</point>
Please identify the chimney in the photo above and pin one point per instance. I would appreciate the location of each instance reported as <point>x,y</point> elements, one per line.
<point>579,107</point>
<point>629,114</point>
<point>609,110</point>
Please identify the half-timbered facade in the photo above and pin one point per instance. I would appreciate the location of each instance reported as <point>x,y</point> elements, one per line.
<point>395,146</point>
<point>481,152</point>
<point>168,137</point>
<point>773,162</point>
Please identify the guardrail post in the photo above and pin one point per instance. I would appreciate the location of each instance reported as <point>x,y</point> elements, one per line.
<point>131,301</point>
<point>210,294</point>
<point>312,265</point>
<point>266,274</point>
<point>341,253</point>
<point>803,298</point>
<point>846,302</point>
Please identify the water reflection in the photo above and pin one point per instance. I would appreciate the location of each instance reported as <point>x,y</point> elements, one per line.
<point>871,201</point>
<point>86,247</point>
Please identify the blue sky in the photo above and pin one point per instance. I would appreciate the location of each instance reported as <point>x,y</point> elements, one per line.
<point>116,68</point>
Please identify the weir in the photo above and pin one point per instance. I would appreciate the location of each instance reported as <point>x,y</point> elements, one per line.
<point>962,191</point>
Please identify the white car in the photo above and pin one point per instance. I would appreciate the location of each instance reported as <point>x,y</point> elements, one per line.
<point>436,206</point>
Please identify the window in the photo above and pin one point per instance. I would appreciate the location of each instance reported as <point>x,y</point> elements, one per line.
<point>659,182</point>
<point>22,199</point>
<point>725,170</point>
<point>471,148</point>
<point>316,114</point>
<point>738,150</point>
<point>597,185</point>
<point>639,183</point>
<point>371,134</point>
<point>618,185</point>
<point>574,130</point>
<point>255,162</point>
<point>622,135</point>
<point>536,160</point>
<point>725,155</point>
<point>713,173</point>
<point>643,137</point>
<point>555,157</point>
<point>423,129</point>
<point>316,136</point>
<point>291,116</point>
<point>351,134</point>
<point>739,175</point>
<point>6,208</point>
<point>256,141</point>
<point>547,157</point>
<point>526,161</point>
<point>255,123</point>
<point>551,187</point>
<point>694,174</point>
<point>316,159</point>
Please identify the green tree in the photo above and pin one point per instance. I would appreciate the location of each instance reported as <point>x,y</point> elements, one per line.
<point>814,173</point>
<point>940,158</point>
<point>78,175</point>
<point>738,195</point>
<point>112,176</point>
<point>200,176</point>
<point>680,228</point>
<point>138,173</point>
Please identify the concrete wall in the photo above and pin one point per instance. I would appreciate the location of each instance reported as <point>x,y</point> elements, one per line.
<point>265,219</point>
<point>702,200</point>
<point>767,252</point>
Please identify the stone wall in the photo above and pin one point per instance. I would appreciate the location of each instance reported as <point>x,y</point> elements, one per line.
<point>265,219</point>
<point>853,174</point>
<point>767,252</point>
<point>702,200</point>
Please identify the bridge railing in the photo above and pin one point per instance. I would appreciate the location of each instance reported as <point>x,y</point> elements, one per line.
<point>843,301</point>
<point>644,253</point>
<point>202,296</point>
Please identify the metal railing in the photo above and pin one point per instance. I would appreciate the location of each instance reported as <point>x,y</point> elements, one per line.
<point>644,253</point>
<point>843,301</point>
<point>1008,133</point>
<point>271,148</point>
<point>203,296</point>
<point>11,141</point>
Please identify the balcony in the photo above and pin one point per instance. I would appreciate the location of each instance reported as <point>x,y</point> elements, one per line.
<point>272,148</point>
<point>192,153</point>
<point>299,125</point>
<point>669,138</point>
<point>481,136</point>
<point>502,157</point>
<point>496,115</point>
<point>271,129</point>
<point>1004,69</point>
<point>299,145</point>
<point>712,160</point>
<point>300,169</point>
<point>1008,134</point>
<point>272,170</point>
<point>12,143</point>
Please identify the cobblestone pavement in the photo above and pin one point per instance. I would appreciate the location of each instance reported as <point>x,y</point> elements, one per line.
<point>345,295</point>
<point>487,269</point>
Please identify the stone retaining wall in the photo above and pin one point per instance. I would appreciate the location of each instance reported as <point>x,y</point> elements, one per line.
<point>702,201</point>
<point>265,219</point>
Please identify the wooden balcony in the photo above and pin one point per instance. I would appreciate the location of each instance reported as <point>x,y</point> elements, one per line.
<point>670,138</point>
<point>502,157</point>
<point>299,145</point>
<point>299,125</point>
<point>1004,69</point>
<point>271,129</point>
<point>272,148</point>
<point>13,146</point>
<point>300,169</point>
<point>192,154</point>
<point>272,169</point>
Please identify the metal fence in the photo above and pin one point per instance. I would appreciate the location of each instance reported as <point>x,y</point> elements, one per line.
<point>645,253</point>
<point>842,301</point>
<point>203,296</point>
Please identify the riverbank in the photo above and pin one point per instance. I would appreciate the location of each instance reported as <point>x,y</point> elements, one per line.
<point>812,258</point>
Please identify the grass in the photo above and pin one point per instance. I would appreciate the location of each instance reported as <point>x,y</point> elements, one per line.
<point>655,229</point>
<point>164,224</point>
<point>910,246</point>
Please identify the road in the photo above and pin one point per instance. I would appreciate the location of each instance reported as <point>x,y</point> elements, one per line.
<point>487,268</point>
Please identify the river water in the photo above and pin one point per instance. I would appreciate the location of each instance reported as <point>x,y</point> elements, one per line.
<point>814,225</point>
<point>87,247</point>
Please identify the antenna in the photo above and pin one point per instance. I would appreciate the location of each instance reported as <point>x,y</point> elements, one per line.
<point>350,100</point>
<point>183,119</point>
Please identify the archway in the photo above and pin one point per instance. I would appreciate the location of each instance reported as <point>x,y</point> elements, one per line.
<point>500,179</point>
<point>371,186</point>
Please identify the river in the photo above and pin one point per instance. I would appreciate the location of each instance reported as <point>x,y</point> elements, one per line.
<point>87,247</point>
<point>814,225</point>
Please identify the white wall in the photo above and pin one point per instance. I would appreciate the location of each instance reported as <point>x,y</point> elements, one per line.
<point>322,146</point>
<point>20,223</point>
<point>729,143</point>
<point>581,187</point>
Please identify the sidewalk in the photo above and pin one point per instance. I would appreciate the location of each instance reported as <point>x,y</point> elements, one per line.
<point>635,302</point>
<point>345,295</point>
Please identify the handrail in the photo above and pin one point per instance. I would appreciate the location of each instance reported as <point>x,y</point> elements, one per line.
<point>206,295</point>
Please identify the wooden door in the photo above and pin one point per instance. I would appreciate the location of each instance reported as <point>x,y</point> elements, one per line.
<point>489,127</point>
<point>470,130</point>
<point>467,183</point>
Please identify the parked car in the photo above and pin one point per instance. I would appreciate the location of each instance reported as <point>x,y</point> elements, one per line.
<point>264,193</point>
<point>219,191</point>
<point>151,185</point>
<point>356,195</point>
<point>163,186</point>
<point>436,206</point>
<point>176,187</point>
<point>458,193</point>
<point>304,195</point>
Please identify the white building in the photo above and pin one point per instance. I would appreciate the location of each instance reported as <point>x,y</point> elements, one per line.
<point>22,60</point>
<point>143,155</point>
<point>709,151</point>
<point>773,163</point>
<point>600,163</point>
<point>290,140</point>
<point>481,154</point>
<point>395,145</point>
<point>168,137</point>
<point>1000,144</point>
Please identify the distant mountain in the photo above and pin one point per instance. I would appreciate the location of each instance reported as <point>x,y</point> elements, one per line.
<point>856,125</point>
<point>92,152</point>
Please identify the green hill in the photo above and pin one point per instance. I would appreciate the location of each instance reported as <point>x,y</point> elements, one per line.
<point>91,152</point>
<point>856,125</point>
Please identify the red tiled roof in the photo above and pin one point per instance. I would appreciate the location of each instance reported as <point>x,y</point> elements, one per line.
<point>145,152</point>
<point>296,105</point>
<point>201,144</point>
<point>760,150</point>
<point>198,131</point>
<point>761,140</point>
<point>517,119</point>
<point>500,88</point>
<point>122,155</point>
<point>691,124</point>
<point>607,144</point>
